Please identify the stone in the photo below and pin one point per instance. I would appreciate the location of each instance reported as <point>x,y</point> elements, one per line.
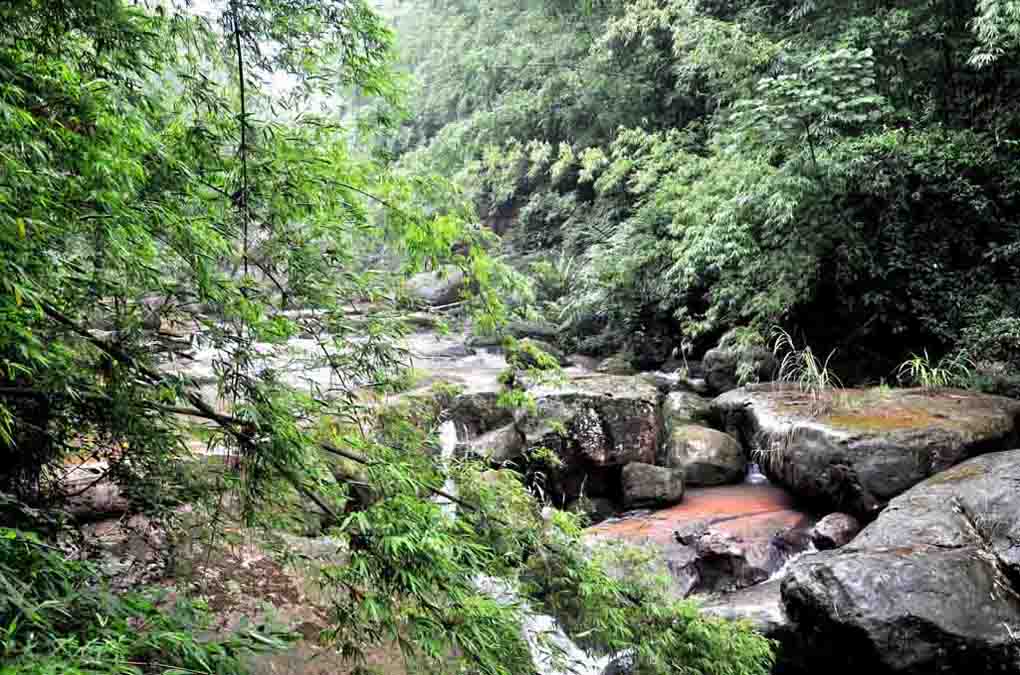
<point>597,509</point>
<point>761,606</point>
<point>594,424</point>
<point>621,664</point>
<point>436,288</point>
<point>604,419</point>
<point>618,364</point>
<point>526,347</point>
<point>479,412</point>
<point>931,586</point>
<point>682,408</point>
<point>648,485</point>
<point>834,531</point>
<point>730,364</point>
<point>855,449</point>
<point>537,330</point>
<point>499,445</point>
<point>582,361</point>
<point>706,456</point>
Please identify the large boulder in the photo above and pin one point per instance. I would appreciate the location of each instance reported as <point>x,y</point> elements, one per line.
<point>682,408</point>
<point>497,446</point>
<point>932,586</point>
<point>855,449</point>
<point>594,425</point>
<point>479,412</point>
<point>606,420</point>
<point>618,364</point>
<point>706,456</point>
<point>648,485</point>
<point>537,330</point>
<point>731,364</point>
<point>435,288</point>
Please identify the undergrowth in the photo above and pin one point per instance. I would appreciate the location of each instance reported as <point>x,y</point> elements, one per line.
<point>57,617</point>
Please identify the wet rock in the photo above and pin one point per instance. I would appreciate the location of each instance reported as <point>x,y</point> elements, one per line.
<point>932,586</point>
<point>437,288</point>
<point>524,354</point>
<point>706,456</point>
<point>480,412</point>
<point>853,450</point>
<point>602,419</point>
<point>618,364</point>
<point>582,361</point>
<point>594,424</point>
<point>536,330</point>
<point>596,508</point>
<point>498,446</point>
<point>682,408</point>
<point>648,485</point>
<point>731,364</point>
<point>624,664</point>
<point>834,531</point>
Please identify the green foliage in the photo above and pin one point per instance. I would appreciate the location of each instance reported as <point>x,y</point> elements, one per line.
<point>634,612</point>
<point>925,372</point>
<point>58,618</point>
<point>802,367</point>
<point>748,163</point>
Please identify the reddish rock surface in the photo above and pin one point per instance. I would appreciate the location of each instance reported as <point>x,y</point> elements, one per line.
<point>745,511</point>
<point>718,539</point>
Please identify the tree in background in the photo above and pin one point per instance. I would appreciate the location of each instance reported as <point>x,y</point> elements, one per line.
<point>708,165</point>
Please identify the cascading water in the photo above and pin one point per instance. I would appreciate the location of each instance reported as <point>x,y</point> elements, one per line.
<point>447,446</point>
<point>552,651</point>
<point>754,475</point>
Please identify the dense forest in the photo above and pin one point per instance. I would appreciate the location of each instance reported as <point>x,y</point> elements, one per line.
<point>844,170</point>
<point>330,333</point>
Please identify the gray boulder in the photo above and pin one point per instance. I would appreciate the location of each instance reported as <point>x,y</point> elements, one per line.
<point>607,420</point>
<point>762,607</point>
<point>648,485</point>
<point>706,456</point>
<point>682,408</point>
<point>442,287</point>
<point>499,445</point>
<point>593,424</point>
<point>932,586</point>
<point>853,450</point>
<point>834,531</point>
<point>618,364</point>
<point>537,330</point>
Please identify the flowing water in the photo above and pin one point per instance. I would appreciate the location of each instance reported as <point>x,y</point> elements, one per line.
<point>552,651</point>
<point>447,446</point>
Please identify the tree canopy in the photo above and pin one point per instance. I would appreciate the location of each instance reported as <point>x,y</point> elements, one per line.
<point>709,165</point>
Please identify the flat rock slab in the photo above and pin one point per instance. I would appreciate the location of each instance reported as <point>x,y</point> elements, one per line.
<point>720,538</point>
<point>932,586</point>
<point>856,449</point>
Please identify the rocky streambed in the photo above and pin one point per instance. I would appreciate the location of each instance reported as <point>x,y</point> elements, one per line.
<point>930,585</point>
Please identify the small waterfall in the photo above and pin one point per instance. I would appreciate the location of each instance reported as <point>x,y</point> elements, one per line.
<point>447,446</point>
<point>552,651</point>
<point>754,475</point>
